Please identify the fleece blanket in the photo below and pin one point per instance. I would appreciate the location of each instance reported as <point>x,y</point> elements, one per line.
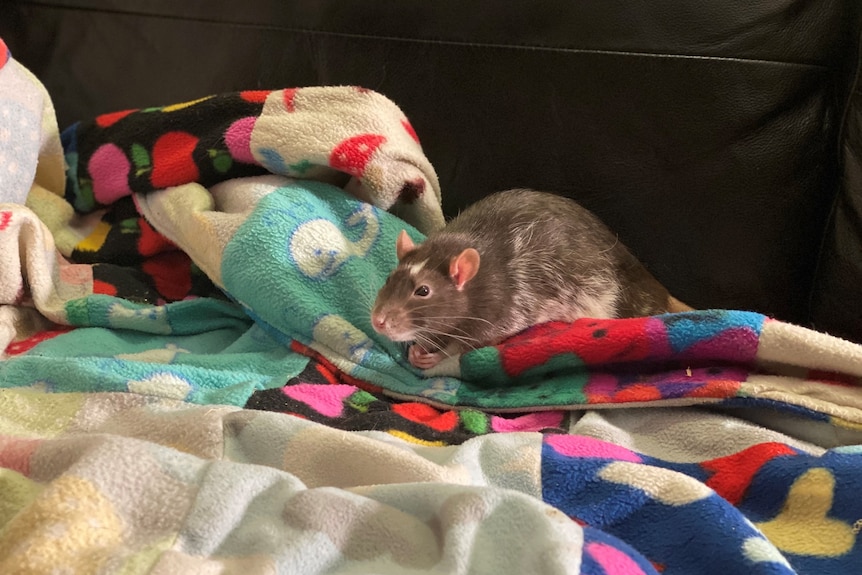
<point>190,305</point>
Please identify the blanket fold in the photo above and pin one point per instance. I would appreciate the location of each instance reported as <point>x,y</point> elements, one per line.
<point>229,488</point>
<point>343,135</point>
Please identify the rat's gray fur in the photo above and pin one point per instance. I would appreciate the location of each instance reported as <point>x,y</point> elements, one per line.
<point>542,258</point>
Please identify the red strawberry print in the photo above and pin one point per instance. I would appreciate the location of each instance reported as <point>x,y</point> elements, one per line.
<point>289,95</point>
<point>410,130</point>
<point>353,154</point>
<point>102,287</point>
<point>255,96</point>
<point>152,242</point>
<point>733,474</point>
<point>19,347</point>
<point>427,415</point>
<point>171,273</point>
<point>106,120</point>
<point>593,341</point>
<point>616,340</point>
<point>173,160</point>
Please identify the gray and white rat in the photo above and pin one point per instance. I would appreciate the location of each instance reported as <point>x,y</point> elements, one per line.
<point>512,260</point>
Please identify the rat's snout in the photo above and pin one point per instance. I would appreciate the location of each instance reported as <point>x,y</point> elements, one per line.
<point>381,322</point>
<point>389,322</point>
<point>378,322</point>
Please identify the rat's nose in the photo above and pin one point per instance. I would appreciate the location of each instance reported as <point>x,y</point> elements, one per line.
<point>378,321</point>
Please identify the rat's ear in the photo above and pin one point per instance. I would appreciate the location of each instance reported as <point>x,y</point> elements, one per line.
<point>403,245</point>
<point>463,267</point>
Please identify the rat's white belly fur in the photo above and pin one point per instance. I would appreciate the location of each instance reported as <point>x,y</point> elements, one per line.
<point>597,299</point>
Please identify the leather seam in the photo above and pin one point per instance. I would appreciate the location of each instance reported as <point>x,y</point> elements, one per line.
<point>439,41</point>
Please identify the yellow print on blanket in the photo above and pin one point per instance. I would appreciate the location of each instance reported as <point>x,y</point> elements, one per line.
<point>802,527</point>
<point>70,527</point>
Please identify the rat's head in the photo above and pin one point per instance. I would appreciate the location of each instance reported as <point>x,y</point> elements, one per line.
<point>425,298</point>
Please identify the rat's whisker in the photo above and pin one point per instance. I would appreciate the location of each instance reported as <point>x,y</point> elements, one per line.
<point>439,349</point>
<point>448,327</point>
<point>420,307</point>
<point>463,339</point>
<point>438,331</point>
<point>428,343</point>
<point>470,317</point>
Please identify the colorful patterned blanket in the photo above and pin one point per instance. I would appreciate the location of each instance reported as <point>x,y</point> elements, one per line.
<point>190,306</point>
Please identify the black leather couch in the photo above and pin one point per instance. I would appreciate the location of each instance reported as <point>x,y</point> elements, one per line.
<point>722,140</point>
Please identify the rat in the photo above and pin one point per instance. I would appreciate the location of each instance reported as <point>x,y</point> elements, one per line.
<point>512,260</point>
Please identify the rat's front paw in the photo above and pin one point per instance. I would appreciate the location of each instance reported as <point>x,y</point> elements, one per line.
<point>418,357</point>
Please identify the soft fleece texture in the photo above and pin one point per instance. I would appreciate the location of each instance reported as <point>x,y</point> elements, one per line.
<point>125,448</point>
<point>30,150</point>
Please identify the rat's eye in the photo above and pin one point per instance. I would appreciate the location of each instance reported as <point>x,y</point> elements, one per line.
<point>422,291</point>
